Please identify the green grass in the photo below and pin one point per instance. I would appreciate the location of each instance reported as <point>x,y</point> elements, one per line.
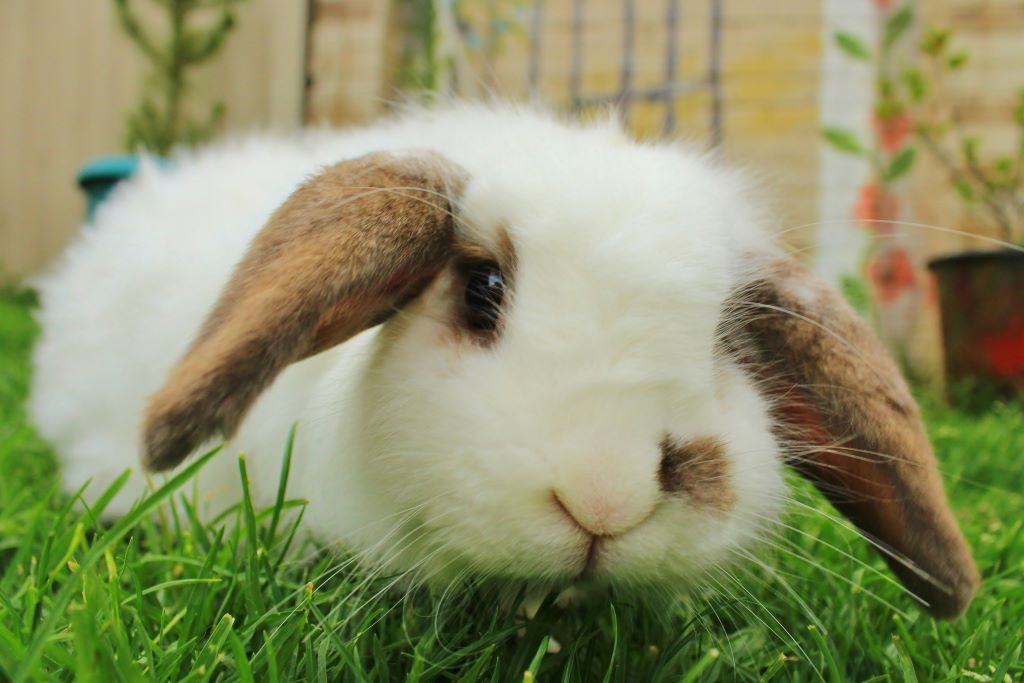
<point>164,597</point>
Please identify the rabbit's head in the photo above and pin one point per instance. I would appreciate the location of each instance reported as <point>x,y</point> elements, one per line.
<point>591,366</point>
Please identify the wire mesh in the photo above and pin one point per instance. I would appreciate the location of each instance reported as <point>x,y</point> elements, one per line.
<point>627,93</point>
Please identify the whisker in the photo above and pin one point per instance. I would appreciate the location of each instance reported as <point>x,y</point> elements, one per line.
<point>910,224</point>
<point>792,639</point>
<point>881,546</point>
<point>778,578</point>
<point>884,379</point>
<point>795,551</point>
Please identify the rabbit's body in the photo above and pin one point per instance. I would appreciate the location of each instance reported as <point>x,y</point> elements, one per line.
<point>607,424</point>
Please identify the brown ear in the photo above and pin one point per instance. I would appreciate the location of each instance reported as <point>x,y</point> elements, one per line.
<point>340,255</point>
<point>850,425</point>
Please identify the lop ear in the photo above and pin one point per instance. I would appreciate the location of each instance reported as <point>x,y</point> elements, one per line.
<point>849,424</point>
<point>339,256</point>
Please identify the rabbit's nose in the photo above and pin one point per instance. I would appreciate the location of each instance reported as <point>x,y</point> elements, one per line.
<point>602,515</point>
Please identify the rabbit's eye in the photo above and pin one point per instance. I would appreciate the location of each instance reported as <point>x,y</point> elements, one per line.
<point>485,289</point>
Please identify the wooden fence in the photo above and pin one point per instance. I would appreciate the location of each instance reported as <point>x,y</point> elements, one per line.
<point>67,77</point>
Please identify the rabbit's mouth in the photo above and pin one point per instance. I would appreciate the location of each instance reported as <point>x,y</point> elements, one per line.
<point>592,558</point>
<point>594,552</point>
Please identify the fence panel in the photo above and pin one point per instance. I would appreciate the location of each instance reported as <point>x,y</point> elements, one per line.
<point>67,78</point>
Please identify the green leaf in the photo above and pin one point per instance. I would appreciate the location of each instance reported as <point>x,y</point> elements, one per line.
<point>888,108</point>
<point>1004,166</point>
<point>531,673</point>
<point>615,645</point>
<point>897,24</point>
<point>832,667</point>
<point>694,674</point>
<point>843,140</point>
<point>970,149</point>
<point>957,59</point>
<point>904,662</point>
<point>901,163</point>
<point>916,84</point>
<point>852,46</point>
<point>935,41</point>
<point>965,191</point>
<point>1009,659</point>
<point>282,485</point>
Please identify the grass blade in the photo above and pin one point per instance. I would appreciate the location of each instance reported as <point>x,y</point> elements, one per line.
<point>122,527</point>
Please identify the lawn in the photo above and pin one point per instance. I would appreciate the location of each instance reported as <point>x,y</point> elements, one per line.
<point>165,597</point>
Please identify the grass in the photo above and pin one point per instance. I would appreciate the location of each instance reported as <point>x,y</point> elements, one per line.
<point>166,597</point>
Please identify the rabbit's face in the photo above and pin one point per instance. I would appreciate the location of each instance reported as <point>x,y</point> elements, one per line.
<point>591,366</point>
<point>552,406</point>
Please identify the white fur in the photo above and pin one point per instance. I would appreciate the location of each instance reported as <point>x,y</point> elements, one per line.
<point>413,448</point>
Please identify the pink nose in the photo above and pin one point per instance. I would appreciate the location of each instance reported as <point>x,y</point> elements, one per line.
<point>600,515</point>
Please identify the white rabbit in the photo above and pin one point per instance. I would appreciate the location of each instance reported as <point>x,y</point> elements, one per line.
<point>567,355</point>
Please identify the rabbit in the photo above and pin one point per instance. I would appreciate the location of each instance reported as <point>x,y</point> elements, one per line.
<point>516,346</point>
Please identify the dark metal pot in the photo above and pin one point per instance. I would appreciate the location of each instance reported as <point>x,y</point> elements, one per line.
<point>981,299</point>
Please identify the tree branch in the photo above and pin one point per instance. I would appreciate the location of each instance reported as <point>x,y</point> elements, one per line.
<point>958,176</point>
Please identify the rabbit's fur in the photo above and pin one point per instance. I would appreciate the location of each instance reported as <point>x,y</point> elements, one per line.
<point>616,426</point>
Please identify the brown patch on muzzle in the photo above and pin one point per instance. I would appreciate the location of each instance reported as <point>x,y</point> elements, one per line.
<point>698,469</point>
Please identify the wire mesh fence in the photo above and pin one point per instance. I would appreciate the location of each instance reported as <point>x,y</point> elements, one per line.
<point>568,41</point>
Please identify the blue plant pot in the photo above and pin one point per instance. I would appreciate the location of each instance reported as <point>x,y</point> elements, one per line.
<point>99,176</point>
